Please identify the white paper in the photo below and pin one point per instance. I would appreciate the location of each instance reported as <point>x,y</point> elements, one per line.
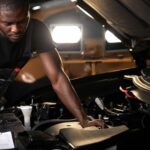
<point>6,141</point>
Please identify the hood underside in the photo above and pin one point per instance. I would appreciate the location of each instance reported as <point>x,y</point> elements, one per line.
<point>129,18</point>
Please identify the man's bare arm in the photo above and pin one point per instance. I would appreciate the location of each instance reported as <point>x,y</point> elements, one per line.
<point>63,88</point>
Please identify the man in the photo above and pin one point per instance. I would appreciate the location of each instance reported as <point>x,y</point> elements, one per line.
<point>20,36</point>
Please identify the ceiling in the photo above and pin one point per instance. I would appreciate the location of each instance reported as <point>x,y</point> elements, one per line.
<point>37,1</point>
<point>43,1</point>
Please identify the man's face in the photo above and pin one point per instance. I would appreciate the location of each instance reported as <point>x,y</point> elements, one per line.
<point>13,23</point>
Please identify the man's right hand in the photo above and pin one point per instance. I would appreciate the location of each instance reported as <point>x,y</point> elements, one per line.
<point>97,122</point>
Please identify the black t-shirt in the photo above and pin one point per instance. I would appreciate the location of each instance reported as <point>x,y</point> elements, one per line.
<point>37,39</point>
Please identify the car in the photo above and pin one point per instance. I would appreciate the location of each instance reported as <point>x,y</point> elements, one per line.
<point>119,97</point>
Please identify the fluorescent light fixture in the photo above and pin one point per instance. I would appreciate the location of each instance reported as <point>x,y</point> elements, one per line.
<point>111,38</point>
<point>66,33</point>
<point>36,7</point>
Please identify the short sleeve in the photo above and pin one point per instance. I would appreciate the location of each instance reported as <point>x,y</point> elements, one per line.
<point>41,38</point>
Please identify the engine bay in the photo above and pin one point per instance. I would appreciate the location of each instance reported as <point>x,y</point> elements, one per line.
<point>53,126</point>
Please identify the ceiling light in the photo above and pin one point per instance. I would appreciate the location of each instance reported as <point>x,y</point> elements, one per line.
<point>66,33</point>
<point>36,7</point>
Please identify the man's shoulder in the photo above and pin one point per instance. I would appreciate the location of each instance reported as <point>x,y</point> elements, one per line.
<point>35,21</point>
<point>37,24</point>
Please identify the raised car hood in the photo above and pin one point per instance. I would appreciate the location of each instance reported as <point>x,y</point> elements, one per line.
<point>129,18</point>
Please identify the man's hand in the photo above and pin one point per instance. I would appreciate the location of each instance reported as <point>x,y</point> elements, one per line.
<point>97,122</point>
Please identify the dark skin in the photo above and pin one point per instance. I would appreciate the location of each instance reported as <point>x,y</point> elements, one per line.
<point>13,24</point>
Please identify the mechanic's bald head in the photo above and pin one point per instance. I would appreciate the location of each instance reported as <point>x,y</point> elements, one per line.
<point>14,4</point>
